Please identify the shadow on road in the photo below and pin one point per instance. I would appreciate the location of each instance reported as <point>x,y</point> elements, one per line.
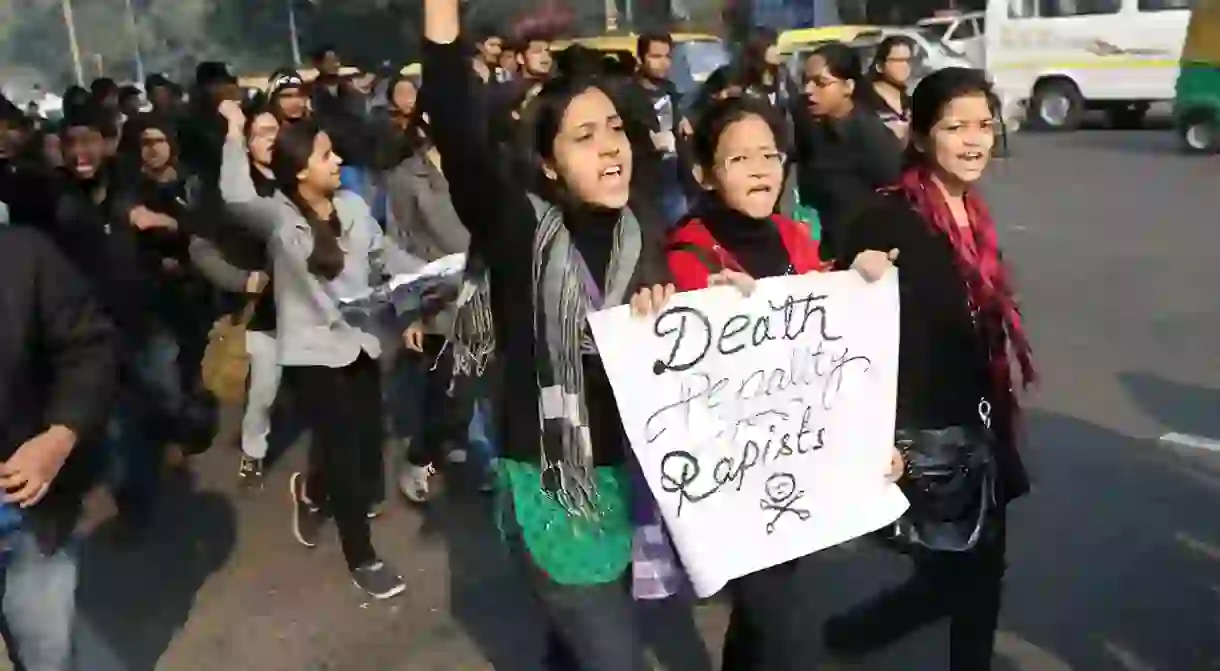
<point>1178,407</point>
<point>134,599</point>
<point>1100,575</point>
<point>1114,563</point>
<point>490,602</point>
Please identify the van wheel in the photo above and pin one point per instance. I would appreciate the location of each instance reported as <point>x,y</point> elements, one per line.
<point>1056,106</point>
<point>1199,133</point>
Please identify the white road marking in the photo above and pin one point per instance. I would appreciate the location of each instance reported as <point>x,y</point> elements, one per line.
<point>1192,441</point>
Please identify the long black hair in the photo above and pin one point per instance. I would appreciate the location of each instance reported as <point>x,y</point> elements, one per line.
<point>289,156</point>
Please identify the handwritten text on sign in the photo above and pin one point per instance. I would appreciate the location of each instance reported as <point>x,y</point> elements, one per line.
<point>764,423</point>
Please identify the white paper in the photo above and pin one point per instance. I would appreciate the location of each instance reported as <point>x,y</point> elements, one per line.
<point>442,267</point>
<point>763,424</point>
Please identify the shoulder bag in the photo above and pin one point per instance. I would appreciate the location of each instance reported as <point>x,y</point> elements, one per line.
<point>950,481</point>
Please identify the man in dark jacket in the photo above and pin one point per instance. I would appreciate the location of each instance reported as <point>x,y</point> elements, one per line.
<point>58,373</point>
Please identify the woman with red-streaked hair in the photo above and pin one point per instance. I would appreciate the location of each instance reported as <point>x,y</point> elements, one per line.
<point>961,331</point>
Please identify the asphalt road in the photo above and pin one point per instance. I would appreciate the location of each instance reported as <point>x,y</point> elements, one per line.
<point>1115,557</point>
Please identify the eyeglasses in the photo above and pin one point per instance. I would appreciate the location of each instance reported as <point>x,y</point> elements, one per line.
<point>824,82</point>
<point>767,160</point>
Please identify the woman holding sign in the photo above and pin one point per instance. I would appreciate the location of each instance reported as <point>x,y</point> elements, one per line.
<point>732,238</point>
<point>562,478</point>
<point>960,325</point>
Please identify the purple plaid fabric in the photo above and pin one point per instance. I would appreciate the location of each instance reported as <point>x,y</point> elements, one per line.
<point>656,571</point>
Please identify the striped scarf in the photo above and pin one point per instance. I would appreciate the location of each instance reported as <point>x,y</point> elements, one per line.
<point>564,293</point>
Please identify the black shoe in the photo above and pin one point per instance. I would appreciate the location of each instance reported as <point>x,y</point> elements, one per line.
<point>378,580</point>
<point>250,472</point>
<point>307,520</point>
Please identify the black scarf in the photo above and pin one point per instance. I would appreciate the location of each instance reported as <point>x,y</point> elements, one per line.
<point>754,243</point>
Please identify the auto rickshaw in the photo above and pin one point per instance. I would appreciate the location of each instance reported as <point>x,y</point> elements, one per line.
<point>1196,104</point>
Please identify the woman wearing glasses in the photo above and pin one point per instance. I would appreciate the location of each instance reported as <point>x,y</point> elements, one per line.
<point>844,151</point>
<point>732,238</point>
<point>888,77</point>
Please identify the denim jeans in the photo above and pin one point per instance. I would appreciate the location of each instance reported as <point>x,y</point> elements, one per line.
<point>588,627</point>
<point>39,604</point>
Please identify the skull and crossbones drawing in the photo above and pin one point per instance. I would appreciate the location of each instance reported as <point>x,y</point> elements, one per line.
<point>781,493</point>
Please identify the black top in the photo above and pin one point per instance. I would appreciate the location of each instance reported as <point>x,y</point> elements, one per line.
<point>840,163</point>
<point>58,365</point>
<point>105,249</point>
<point>942,358</point>
<point>754,243</point>
<point>495,209</point>
<point>869,98</point>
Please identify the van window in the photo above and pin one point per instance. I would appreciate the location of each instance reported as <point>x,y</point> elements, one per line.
<point>1164,5</point>
<point>1022,9</point>
<point>1058,8</point>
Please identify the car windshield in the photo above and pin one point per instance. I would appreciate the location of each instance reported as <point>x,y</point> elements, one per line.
<point>695,61</point>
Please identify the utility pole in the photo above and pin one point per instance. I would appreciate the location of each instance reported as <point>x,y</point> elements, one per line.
<point>134,27</point>
<point>293,35</point>
<point>71,25</point>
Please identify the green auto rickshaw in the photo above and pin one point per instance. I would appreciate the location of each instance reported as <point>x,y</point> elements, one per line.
<point>1196,105</point>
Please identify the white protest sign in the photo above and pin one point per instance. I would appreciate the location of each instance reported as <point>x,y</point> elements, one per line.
<point>763,424</point>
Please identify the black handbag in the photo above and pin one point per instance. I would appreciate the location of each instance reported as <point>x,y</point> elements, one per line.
<point>950,481</point>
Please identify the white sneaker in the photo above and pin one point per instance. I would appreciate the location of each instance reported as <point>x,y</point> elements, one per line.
<point>413,482</point>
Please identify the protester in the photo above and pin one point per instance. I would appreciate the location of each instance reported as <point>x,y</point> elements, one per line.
<point>489,47</point>
<point>733,238</point>
<point>164,95</point>
<point>236,262</point>
<point>564,479</point>
<point>961,328</point>
<point>655,53</point>
<point>158,202</point>
<point>60,372</point>
<point>105,93</point>
<point>887,79</point>
<point>288,99</point>
<point>422,221</point>
<point>324,247</point>
<point>844,151</point>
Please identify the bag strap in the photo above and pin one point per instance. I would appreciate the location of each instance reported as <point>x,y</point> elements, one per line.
<point>712,264</point>
<point>247,310</point>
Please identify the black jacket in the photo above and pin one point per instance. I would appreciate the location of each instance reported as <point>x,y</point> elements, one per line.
<point>942,355</point>
<point>840,164</point>
<point>58,366</point>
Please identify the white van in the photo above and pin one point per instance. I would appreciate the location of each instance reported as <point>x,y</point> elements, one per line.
<point>1062,58</point>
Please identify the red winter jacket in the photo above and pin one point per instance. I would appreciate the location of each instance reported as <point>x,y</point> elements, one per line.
<point>692,249</point>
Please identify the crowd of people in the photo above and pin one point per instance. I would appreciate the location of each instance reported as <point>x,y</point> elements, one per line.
<point>571,183</point>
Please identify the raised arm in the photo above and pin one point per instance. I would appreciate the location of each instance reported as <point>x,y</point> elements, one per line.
<point>237,190</point>
<point>477,184</point>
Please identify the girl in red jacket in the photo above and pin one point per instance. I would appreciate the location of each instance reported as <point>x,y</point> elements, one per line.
<point>732,237</point>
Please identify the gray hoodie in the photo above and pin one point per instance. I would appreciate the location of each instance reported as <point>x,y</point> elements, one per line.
<point>311,330</point>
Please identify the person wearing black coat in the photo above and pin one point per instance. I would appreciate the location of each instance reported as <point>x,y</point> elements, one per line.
<point>58,375</point>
